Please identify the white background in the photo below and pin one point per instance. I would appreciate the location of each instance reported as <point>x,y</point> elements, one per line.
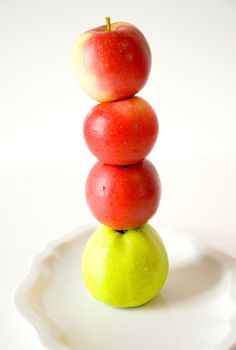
<point>44,159</point>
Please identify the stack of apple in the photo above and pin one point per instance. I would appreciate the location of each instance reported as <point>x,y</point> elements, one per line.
<point>125,263</point>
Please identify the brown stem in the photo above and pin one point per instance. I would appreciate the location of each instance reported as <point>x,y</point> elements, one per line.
<point>108,22</point>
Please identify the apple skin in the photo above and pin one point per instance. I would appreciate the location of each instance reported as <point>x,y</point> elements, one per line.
<point>121,132</point>
<point>125,269</point>
<point>123,197</point>
<point>112,65</point>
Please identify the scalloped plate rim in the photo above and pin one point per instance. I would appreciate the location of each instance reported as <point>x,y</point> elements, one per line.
<point>44,327</point>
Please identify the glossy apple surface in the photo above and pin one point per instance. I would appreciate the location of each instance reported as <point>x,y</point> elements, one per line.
<point>123,197</point>
<point>125,269</point>
<point>121,132</point>
<point>112,64</point>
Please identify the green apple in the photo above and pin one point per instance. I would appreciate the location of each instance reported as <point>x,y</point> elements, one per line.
<point>125,268</point>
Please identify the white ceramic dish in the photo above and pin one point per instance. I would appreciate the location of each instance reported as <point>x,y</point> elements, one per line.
<point>195,310</point>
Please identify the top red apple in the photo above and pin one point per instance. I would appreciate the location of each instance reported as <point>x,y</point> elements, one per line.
<point>112,61</point>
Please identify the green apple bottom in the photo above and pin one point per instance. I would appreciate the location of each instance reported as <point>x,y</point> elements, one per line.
<point>125,270</point>
<point>125,263</point>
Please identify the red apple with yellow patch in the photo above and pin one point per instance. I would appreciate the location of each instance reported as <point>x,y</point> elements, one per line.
<point>112,61</point>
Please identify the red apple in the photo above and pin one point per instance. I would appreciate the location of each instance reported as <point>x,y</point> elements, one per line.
<point>112,62</point>
<point>123,197</point>
<point>121,132</point>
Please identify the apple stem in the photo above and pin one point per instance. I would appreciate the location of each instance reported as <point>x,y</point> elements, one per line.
<point>108,21</point>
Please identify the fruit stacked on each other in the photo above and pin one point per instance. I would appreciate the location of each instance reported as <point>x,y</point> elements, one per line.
<point>125,262</point>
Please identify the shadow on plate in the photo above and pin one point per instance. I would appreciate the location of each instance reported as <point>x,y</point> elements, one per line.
<point>189,281</point>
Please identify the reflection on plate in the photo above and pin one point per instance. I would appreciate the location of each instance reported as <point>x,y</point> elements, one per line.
<point>196,309</point>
